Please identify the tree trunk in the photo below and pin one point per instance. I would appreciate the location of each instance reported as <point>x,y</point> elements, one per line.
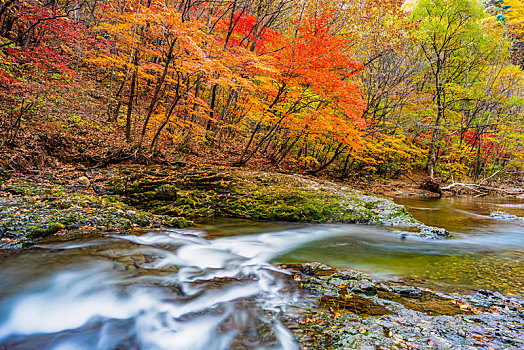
<point>130,108</point>
<point>154,99</point>
<point>338,151</point>
<point>433,149</point>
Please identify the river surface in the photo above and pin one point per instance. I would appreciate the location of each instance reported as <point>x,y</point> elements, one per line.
<point>215,286</point>
<point>482,252</point>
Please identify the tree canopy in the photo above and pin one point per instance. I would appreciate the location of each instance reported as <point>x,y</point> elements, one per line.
<point>344,87</point>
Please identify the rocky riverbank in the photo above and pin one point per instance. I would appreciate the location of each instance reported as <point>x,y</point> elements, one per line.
<point>347,309</point>
<point>340,309</point>
<point>172,197</point>
<point>30,211</point>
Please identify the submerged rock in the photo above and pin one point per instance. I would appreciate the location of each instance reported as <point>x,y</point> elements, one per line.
<point>504,216</point>
<point>424,232</point>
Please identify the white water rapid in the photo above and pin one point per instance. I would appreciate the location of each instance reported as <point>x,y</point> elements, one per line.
<point>160,290</point>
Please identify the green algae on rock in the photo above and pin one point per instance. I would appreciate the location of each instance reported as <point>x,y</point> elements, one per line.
<point>194,192</point>
<point>31,211</point>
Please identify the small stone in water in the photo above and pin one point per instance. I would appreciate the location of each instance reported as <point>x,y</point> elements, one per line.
<point>83,181</point>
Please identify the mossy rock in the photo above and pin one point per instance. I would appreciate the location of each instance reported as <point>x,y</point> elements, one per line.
<point>44,210</point>
<point>194,192</point>
<point>46,232</point>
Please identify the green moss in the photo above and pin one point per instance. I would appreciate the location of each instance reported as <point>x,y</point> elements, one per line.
<point>128,225</point>
<point>63,205</point>
<point>53,191</point>
<point>205,192</point>
<point>15,190</point>
<point>46,232</point>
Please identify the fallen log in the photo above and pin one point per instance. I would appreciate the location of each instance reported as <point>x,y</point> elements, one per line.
<point>482,189</point>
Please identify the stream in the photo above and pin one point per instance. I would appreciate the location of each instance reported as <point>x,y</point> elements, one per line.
<point>215,286</point>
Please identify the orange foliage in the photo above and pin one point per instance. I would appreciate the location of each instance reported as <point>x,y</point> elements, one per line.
<point>309,88</point>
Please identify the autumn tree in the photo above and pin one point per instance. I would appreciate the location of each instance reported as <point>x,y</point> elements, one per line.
<point>39,48</point>
<point>309,95</point>
<point>453,44</point>
<point>380,86</point>
<point>513,12</point>
<point>159,56</point>
<point>383,39</point>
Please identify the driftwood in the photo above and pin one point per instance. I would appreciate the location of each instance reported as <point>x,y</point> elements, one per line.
<point>481,189</point>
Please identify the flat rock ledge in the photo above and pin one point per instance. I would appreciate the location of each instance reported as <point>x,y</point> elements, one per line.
<point>198,192</point>
<point>346,309</point>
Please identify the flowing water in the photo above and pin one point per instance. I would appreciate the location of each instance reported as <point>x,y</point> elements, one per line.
<point>214,287</point>
<point>483,252</point>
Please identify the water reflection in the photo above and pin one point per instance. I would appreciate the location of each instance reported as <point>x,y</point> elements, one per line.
<point>462,214</point>
<point>483,252</point>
